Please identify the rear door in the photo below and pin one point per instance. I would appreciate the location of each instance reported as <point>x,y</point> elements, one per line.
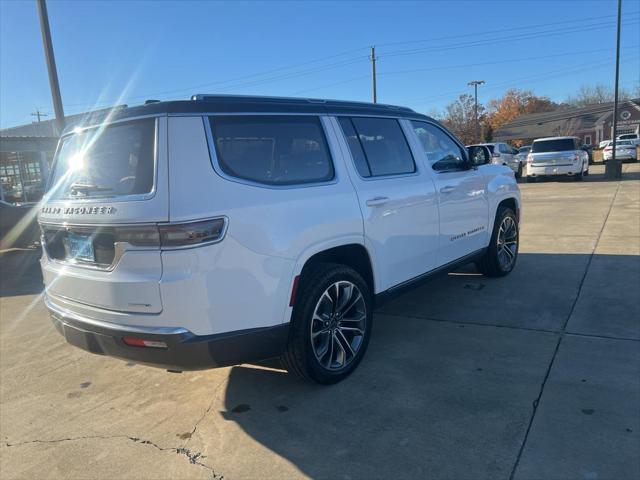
<point>461,193</point>
<point>109,182</point>
<point>397,198</point>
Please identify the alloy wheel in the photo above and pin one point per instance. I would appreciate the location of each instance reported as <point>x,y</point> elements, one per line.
<point>507,243</point>
<point>338,325</point>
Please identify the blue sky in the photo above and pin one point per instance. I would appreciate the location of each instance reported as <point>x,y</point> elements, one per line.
<point>126,52</point>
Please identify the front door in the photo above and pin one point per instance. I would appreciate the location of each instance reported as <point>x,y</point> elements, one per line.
<point>461,192</point>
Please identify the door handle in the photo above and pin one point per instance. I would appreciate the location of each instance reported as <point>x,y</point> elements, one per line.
<point>447,189</point>
<point>376,201</point>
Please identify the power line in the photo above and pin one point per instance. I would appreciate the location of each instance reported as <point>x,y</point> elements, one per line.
<point>510,38</point>
<point>502,30</point>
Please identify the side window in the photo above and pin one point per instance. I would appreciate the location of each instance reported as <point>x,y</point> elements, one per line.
<point>443,154</point>
<point>383,145</point>
<point>359,158</point>
<point>272,149</point>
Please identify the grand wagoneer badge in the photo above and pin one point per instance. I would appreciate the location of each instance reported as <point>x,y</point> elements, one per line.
<point>94,210</point>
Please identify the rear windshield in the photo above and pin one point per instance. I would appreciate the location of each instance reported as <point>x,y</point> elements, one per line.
<point>110,161</point>
<point>524,149</point>
<point>559,145</point>
<point>623,142</point>
<point>631,136</point>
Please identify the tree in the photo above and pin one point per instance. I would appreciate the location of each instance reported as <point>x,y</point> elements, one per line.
<point>513,104</point>
<point>596,94</point>
<point>459,117</point>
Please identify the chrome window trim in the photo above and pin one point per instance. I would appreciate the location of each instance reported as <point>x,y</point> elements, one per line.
<point>213,156</point>
<point>122,198</point>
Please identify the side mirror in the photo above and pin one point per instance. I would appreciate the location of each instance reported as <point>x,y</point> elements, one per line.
<point>479,155</point>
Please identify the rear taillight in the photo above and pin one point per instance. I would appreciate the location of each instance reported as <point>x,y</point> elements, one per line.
<point>138,236</point>
<point>172,235</point>
<point>193,233</point>
<point>576,157</point>
<point>530,158</point>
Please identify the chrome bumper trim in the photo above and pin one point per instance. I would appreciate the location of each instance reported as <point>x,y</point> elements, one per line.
<point>63,313</point>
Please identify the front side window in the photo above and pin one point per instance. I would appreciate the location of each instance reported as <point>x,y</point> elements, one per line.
<point>378,146</point>
<point>442,152</point>
<point>116,160</point>
<point>272,149</point>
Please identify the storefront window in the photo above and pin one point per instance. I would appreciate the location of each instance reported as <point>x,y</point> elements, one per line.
<point>23,176</point>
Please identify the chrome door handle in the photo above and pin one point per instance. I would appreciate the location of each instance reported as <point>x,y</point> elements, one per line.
<point>447,189</point>
<point>376,201</point>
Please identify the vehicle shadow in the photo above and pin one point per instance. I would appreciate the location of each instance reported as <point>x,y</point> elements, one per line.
<point>20,272</point>
<point>446,387</point>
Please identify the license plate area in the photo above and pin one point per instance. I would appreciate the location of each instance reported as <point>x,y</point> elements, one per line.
<point>80,247</point>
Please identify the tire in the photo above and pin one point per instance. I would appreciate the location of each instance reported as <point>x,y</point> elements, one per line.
<point>493,263</point>
<point>317,326</point>
<point>580,176</point>
<point>519,172</point>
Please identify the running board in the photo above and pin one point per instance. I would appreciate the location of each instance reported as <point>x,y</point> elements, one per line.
<point>397,290</point>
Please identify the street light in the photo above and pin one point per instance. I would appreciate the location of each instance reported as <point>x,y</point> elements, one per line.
<point>475,84</point>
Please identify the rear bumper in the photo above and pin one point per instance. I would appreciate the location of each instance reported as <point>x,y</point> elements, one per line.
<point>551,170</point>
<point>185,351</point>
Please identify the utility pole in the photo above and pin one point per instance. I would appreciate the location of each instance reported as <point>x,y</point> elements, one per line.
<point>613,168</point>
<point>373,74</point>
<point>51,65</point>
<point>39,114</point>
<point>475,84</point>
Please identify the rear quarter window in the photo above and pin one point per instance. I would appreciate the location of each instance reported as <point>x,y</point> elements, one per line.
<point>272,150</point>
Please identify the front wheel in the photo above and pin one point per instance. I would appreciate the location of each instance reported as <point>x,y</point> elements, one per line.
<point>331,324</point>
<point>502,252</point>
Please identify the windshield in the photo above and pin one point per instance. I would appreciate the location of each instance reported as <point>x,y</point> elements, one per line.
<point>558,145</point>
<point>116,160</point>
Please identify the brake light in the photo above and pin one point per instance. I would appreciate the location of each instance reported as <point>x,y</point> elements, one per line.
<point>192,233</point>
<point>576,157</point>
<point>530,158</point>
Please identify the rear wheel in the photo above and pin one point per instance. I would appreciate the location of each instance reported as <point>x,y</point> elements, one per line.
<point>502,252</point>
<point>519,172</point>
<point>331,324</point>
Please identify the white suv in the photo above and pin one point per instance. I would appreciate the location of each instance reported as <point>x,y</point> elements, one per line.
<point>557,156</point>
<point>220,230</point>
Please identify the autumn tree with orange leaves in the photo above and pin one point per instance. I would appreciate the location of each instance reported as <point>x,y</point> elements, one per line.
<point>513,104</point>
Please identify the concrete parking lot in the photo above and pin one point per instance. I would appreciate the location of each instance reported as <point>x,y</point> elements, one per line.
<point>532,376</point>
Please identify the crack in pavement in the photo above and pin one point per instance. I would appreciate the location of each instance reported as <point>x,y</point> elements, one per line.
<point>193,457</point>
<point>206,412</point>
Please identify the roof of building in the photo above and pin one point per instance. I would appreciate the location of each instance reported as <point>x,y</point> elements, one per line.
<point>557,122</point>
<point>218,104</point>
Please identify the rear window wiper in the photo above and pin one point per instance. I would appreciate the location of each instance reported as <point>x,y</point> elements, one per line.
<point>85,188</point>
